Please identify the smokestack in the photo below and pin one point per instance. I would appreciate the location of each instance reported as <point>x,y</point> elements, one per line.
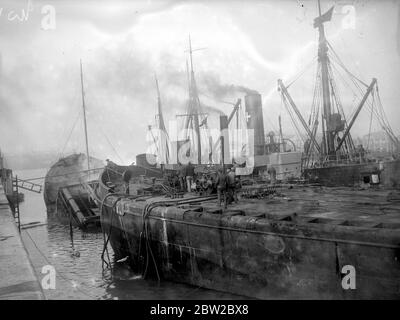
<point>255,120</point>
<point>223,123</point>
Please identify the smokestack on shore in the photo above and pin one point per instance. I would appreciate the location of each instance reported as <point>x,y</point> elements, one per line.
<point>254,119</point>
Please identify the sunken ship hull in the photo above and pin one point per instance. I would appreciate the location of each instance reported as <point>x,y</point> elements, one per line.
<point>68,187</point>
<point>267,249</point>
<point>69,172</point>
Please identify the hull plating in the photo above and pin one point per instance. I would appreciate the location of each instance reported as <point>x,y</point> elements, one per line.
<point>256,256</point>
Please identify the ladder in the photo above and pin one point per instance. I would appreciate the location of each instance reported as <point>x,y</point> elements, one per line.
<point>28,185</point>
<point>15,189</point>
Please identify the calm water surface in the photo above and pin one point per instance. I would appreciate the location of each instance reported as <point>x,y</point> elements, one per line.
<point>81,276</point>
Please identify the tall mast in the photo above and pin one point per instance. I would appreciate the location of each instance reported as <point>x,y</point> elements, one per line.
<point>84,120</point>
<point>161,124</point>
<point>188,119</point>
<point>324,61</point>
<point>194,104</point>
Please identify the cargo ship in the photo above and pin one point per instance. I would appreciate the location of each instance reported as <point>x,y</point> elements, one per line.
<point>278,240</point>
<point>331,156</point>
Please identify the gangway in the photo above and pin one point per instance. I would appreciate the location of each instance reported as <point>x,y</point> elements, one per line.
<point>28,185</point>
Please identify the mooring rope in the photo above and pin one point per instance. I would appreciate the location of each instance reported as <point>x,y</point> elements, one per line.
<point>145,234</point>
<point>146,213</point>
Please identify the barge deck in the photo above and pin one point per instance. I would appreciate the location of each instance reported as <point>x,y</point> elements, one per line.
<point>294,244</point>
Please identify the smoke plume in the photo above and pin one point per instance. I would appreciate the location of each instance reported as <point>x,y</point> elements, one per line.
<point>212,84</point>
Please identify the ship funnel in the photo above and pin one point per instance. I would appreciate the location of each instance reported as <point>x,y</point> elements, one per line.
<point>254,119</point>
<point>225,153</point>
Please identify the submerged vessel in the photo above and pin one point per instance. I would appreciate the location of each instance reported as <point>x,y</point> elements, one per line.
<point>69,183</point>
<point>67,187</point>
<point>331,156</point>
<point>69,172</point>
<point>279,241</point>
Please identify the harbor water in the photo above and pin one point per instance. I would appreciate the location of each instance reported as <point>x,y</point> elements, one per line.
<point>79,271</point>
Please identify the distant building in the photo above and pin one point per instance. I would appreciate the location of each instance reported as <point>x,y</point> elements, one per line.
<point>377,142</point>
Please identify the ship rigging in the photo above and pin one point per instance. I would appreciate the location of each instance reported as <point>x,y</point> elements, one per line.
<point>197,136</point>
<point>327,133</point>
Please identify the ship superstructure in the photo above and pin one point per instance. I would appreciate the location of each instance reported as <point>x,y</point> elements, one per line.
<point>326,134</point>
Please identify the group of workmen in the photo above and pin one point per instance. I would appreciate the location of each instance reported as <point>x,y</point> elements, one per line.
<point>186,176</point>
<point>226,183</point>
<point>227,186</point>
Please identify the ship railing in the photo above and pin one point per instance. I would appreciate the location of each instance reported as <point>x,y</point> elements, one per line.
<point>337,160</point>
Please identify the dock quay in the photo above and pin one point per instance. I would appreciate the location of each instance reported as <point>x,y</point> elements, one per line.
<point>17,278</point>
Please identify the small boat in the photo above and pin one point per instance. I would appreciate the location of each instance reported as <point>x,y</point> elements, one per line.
<point>6,177</point>
<point>17,197</point>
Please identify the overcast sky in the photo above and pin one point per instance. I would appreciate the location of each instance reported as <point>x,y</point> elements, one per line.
<point>122,44</point>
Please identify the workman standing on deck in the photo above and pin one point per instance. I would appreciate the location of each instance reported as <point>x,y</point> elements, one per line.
<point>221,186</point>
<point>272,174</point>
<point>182,175</point>
<point>189,176</point>
<point>231,184</point>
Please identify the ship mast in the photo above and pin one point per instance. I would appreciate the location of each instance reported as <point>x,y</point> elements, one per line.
<point>161,124</point>
<point>84,120</point>
<point>337,143</point>
<point>328,142</point>
<point>194,103</point>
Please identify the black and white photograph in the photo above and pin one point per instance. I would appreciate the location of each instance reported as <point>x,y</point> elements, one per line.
<point>220,152</point>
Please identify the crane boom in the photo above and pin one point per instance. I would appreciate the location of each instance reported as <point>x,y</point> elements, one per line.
<point>361,104</point>
<point>294,107</point>
<point>235,109</point>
